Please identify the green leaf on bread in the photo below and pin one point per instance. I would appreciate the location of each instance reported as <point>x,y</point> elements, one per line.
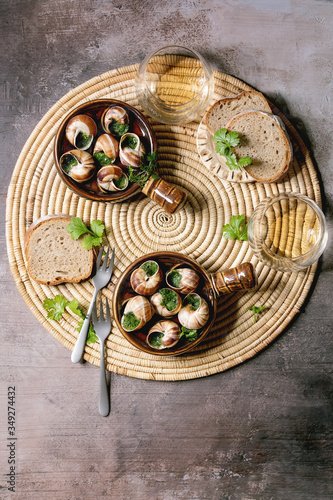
<point>224,142</point>
<point>91,237</point>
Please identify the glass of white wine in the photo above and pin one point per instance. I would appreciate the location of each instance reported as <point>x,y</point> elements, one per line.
<point>287,232</point>
<point>174,85</point>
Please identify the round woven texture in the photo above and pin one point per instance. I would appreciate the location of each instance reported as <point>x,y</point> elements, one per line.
<point>139,226</point>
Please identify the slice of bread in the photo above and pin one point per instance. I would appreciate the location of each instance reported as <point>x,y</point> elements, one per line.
<point>53,257</point>
<point>220,113</point>
<point>264,138</point>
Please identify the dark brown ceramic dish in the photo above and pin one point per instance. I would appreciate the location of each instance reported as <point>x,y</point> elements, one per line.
<point>138,125</point>
<point>210,286</point>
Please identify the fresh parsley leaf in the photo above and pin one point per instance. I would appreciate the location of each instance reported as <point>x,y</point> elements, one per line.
<point>77,228</point>
<point>91,335</point>
<point>256,311</point>
<point>75,308</point>
<point>236,229</point>
<point>97,227</point>
<point>231,160</point>
<point>224,141</point>
<point>189,334</point>
<point>90,241</point>
<point>146,170</point>
<point>225,138</point>
<point>93,236</point>
<point>55,307</point>
<point>246,160</point>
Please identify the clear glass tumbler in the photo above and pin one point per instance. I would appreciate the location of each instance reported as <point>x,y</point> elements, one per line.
<point>287,232</point>
<point>174,85</point>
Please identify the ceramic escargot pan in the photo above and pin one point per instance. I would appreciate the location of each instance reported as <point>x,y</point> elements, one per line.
<point>86,134</point>
<point>145,290</point>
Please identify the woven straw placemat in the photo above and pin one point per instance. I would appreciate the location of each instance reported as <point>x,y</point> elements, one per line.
<point>139,226</point>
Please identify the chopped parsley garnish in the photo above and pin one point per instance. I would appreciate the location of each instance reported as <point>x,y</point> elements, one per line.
<point>130,321</point>
<point>174,278</point>
<point>169,299</point>
<point>236,229</point>
<point>225,141</point>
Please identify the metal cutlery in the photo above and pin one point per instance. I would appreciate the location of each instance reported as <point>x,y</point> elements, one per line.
<point>100,280</point>
<point>102,327</point>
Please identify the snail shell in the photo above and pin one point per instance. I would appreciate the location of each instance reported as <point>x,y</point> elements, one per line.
<point>131,150</point>
<point>168,333</point>
<point>110,116</point>
<point>111,178</point>
<point>80,131</point>
<point>159,298</point>
<point>147,278</point>
<point>141,309</point>
<point>78,164</point>
<point>189,280</point>
<point>108,145</point>
<point>194,313</point>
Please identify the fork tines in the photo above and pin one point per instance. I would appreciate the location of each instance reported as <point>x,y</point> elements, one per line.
<point>101,318</point>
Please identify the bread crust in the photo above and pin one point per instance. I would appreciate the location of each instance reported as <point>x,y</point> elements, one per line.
<point>27,239</point>
<point>237,97</point>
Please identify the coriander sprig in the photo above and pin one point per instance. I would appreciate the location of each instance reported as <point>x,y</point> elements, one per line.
<point>225,141</point>
<point>236,229</point>
<point>92,236</point>
<point>146,170</point>
<point>56,308</point>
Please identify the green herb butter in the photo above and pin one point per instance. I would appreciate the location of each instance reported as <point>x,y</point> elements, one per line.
<point>119,128</point>
<point>174,278</point>
<point>193,301</point>
<point>83,140</point>
<point>155,339</point>
<point>121,182</point>
<point>129,142</point>
<point>169,299</point>
<point>130,321</point>
<point>67,162</point>
<point>150,268</point>
<point>102,159</point>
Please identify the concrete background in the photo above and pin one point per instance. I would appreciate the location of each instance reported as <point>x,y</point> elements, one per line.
<point>262,430</point>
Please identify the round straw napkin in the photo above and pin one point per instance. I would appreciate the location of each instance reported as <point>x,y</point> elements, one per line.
<point>139,226</point>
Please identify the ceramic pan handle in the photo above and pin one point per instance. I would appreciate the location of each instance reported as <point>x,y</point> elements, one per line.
<point>168,196</point>
<point>238,278</point>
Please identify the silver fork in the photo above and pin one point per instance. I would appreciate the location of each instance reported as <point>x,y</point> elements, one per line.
<point>100,280</point>
<point>102,327</point>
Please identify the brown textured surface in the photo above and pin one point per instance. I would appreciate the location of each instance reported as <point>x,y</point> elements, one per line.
<point>139,226</point>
